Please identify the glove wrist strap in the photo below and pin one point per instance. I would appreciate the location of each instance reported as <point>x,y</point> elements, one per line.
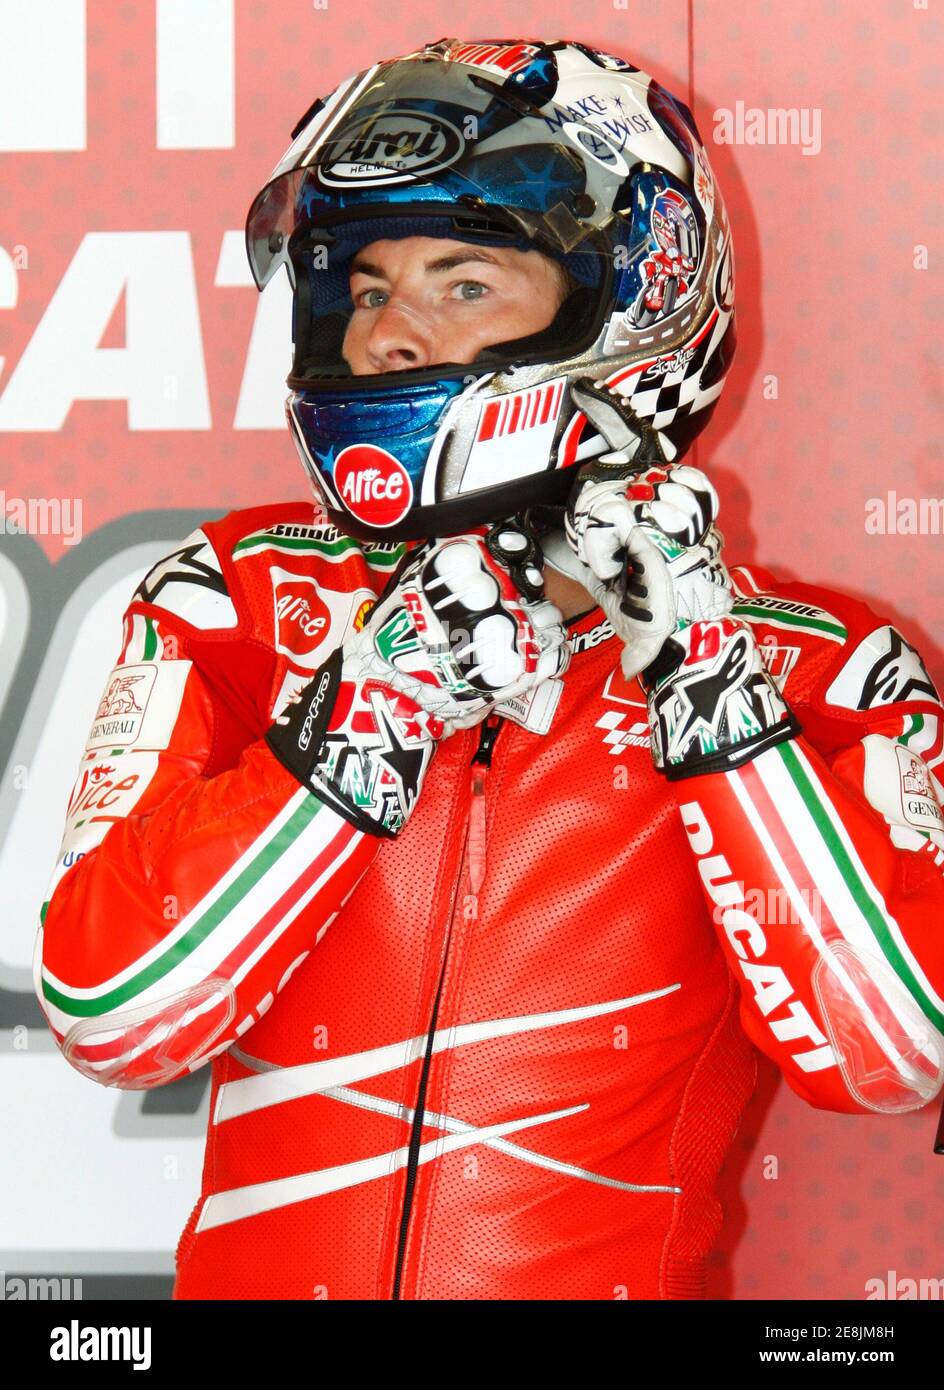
<point>350,743</point>
<point>712,704</point>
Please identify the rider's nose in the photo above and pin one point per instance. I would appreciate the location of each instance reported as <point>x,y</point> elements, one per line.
<point>399,340</point>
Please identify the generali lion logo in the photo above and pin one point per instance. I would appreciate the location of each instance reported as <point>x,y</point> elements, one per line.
<point>123,708</point>
<point>119,698</point>
<point>915,781</point>
<point>919,798</point>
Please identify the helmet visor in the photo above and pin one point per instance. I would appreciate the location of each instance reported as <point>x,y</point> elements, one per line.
<point>425,290</point>
<point>426,131</point>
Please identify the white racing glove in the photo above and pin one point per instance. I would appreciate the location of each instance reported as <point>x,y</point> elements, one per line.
<point>464,628</point>
<point>640,530</point>
<point>645,549</point>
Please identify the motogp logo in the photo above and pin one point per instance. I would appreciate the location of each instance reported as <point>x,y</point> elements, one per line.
<point>373,485</point>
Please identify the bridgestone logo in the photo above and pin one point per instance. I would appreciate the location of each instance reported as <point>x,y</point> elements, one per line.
<point>785,605</point>
<point>303,533</point>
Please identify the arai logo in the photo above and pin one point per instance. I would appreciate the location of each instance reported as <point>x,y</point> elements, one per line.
<point>390,147</point>
<point>372,484</point>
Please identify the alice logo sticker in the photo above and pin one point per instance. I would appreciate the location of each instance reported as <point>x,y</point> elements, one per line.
<point>372,484</point>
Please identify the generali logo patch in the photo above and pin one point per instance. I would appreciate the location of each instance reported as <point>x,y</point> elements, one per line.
<point>121,710</point>
<point>372,484</point>
<point>919,802</point>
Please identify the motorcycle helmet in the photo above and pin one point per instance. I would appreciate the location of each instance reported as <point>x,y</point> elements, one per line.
<point>533,145</point>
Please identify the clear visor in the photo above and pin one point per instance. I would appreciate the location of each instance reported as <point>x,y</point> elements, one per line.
<point>392,294</point>
<point>423,133</point>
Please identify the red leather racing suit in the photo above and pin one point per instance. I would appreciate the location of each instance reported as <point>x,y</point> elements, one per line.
<point>502,1055</point>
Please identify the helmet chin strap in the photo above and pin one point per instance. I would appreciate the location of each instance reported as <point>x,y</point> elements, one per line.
<point>634,446</point>
<point>559,554</point>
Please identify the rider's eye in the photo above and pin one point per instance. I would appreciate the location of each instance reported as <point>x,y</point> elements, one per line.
<point>373,299</point>
<point>470,290</point>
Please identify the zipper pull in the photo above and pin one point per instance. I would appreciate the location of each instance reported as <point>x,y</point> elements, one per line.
<point>489,733</point>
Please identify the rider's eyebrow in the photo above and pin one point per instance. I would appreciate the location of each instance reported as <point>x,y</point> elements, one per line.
<point>448,262</point>
<point>459,258</point>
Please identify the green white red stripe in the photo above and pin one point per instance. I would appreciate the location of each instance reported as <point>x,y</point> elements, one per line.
<point>806,842</point>
<point>335,550</point>
<point>234,924</point>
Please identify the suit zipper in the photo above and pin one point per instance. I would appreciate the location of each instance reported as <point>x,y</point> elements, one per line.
<point>475,849</point>
<point>481,762</point>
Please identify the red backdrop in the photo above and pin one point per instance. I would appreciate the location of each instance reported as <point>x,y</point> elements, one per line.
<point>834,398</point>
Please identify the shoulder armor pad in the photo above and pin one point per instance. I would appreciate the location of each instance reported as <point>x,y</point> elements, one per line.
<point>884,669</point>
<point>189,583</point>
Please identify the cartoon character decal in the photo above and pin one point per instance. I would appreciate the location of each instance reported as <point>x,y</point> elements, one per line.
<point>667,270</point>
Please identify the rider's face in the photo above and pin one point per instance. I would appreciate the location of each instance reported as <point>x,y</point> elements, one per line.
<point>419,301</point>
